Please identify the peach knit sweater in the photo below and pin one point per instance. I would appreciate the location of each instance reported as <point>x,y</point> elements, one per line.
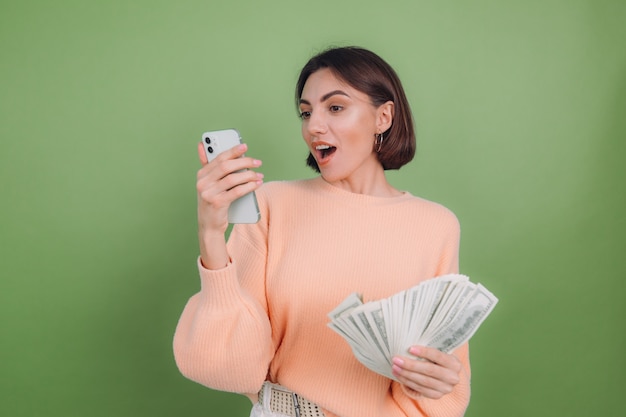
<point>264,316</point>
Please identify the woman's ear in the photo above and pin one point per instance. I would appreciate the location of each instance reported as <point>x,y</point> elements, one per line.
<point>384,116</point>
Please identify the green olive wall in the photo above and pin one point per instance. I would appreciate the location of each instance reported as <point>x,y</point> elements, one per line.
<point>521,113</point>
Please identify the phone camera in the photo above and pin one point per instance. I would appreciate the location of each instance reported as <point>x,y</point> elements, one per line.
<point>207,140</point>
<point>210,149</point>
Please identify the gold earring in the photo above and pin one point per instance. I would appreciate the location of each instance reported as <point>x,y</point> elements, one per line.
<point>378,142</point>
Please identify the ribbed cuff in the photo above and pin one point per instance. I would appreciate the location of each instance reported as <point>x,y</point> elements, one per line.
<point>220,287</point>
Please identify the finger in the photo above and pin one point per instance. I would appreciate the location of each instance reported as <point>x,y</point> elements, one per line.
<point>217,170</point>
<point>232,153</point>
<point>419,389</point>
<point>225,197</point>
<point>223,170</point>
<point>431,375</point>
<point>423,383</point>
<point>436,356</point>
<point>240,178</point>
<point>215,190</point>
<point>423,390</point>
<point>239,164</point>
<point>427,372</point>
<point>245,188</point>
<point>201,154</point>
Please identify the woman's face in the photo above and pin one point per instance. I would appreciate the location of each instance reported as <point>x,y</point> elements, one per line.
<point>339,124</point>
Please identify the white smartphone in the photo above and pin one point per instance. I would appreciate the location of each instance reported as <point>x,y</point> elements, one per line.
<point>245,209</point>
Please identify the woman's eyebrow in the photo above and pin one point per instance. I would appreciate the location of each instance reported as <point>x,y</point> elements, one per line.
<point>334,93</point>
<point>326,96</point>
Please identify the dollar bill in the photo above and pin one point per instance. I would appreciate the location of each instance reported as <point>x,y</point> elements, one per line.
<point>443,312</point>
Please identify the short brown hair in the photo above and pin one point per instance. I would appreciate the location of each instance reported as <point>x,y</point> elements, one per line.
<point>370,74</point>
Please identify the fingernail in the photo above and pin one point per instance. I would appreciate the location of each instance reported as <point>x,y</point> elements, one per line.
<point>257,163</point>
<point>398,361</point>
<point>415,351</point>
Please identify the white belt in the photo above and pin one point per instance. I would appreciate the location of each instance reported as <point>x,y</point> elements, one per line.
<point>278,399</point>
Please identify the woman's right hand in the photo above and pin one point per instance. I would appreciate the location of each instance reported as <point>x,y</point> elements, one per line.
<point>219,183</point>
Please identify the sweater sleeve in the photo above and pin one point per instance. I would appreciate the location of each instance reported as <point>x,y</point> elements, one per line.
<point>455,403</point>
<point>223,337</point>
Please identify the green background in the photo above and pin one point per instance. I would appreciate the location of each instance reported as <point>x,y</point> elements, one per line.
<point>521,113</point>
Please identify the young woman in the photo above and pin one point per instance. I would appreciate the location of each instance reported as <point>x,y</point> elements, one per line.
<point>259,321</point>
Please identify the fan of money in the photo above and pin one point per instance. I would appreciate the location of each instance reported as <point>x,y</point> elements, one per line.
<point>442,312</point>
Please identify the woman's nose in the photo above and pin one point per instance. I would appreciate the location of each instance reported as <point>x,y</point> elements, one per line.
<point>316,124</point>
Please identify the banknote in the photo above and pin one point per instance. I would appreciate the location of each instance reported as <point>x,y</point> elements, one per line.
<point>443,312</point>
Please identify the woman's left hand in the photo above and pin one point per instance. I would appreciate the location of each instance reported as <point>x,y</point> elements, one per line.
<point>434,375</point>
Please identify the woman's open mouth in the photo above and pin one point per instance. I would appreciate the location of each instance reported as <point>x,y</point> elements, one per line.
<point>324,152</point>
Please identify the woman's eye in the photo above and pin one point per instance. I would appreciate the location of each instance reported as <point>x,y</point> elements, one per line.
<point>335,109</point>
<point>305,114</point>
